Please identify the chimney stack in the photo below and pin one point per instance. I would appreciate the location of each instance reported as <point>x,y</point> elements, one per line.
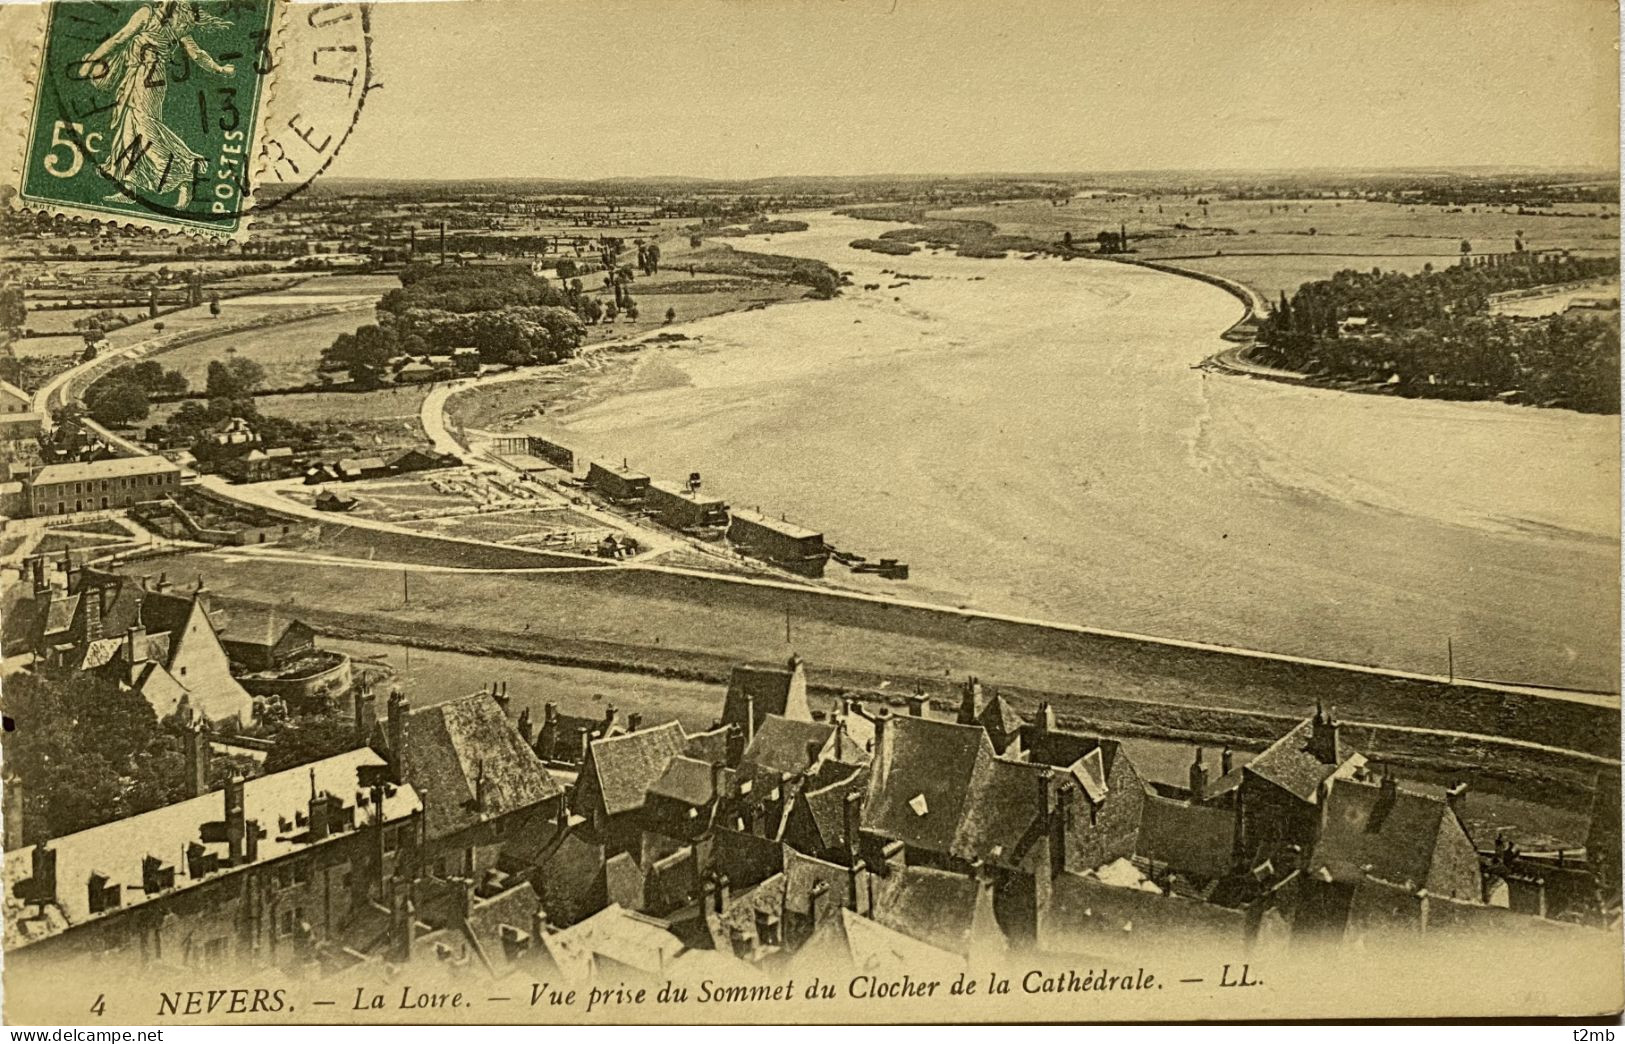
<point>916,704</point>
<point>1046,718</point>
<point>634,722</point>
<point>251,841</point>
<point>366,712</point>
<point>970,699</point>
<point>196,742</point>
<point>1456,798</point>
<point>93,618</point>
<point>882,718</point>
<point>399,713</point>
<point>1198,778</point>
<point>724,893</point>
<point>42,880</point>
<point>609,719</point>
<point>135,645</point>
<point>852,825</point>
<point>42,584</point>
<point>525,729</point>
<point>11,796</point>
<point>1226,760</point>
<point>857,876</point>
<point>1324,742</point>
<point>235,823</point>
<point>816,902</point>
<point>719,773</point>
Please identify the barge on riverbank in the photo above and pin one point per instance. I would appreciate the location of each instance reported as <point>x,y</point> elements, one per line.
<point>779,542</point>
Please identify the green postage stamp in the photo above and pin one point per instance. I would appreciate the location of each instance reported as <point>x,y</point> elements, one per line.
<point>149,113</point>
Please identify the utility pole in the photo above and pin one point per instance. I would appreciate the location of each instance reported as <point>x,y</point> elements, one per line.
<point>406,592</point>
<point>1450,656</point>
<point>787,626</point>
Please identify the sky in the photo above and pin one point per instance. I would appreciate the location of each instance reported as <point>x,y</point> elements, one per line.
<point>752,88</point>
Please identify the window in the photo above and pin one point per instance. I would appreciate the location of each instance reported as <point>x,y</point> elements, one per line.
<point>287,922</point>
<point>301,873</point>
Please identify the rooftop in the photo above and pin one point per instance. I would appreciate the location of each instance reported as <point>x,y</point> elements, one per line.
<point>117,849</point>
<point>781,526</point>
<point>115,467</point>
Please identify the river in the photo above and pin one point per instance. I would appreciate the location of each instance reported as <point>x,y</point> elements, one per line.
<point>1032,438</point>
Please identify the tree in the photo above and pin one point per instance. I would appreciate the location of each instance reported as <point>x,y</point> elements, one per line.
<point>305,740</point>
<point>214,305</point>
<point>235,378</point>
<point>86,752</point>
<point>117,403</point>
<point>671,315</point>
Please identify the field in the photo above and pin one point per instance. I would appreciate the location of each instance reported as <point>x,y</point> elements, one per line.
<point>288,352</point>
<point>1284,243</point>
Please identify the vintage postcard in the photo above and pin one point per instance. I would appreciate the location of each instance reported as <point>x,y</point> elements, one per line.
<point>554,512</point>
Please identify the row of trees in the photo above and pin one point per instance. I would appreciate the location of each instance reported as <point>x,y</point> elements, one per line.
<point>1431,333</point>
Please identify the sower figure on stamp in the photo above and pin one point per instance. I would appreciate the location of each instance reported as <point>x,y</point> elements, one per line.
<point>157,160</point>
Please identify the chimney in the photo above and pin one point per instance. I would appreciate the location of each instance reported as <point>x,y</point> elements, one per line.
<point>11,797</point>
<point>93,618</point>
<point>1456,798</point>
<point>539,925</point>
<point>1390,787</point>
<point>234,818</point>
<point>718,781</point>
<point>816,902</point>
<point>985,936</point>
<point>1226,760</point>
<point>857,894</point>
<point>318,808</point>
<point>634,722</point>
<point>482,788</point>
<point>251,841</point>
<point>852,825</point>
<point>404,926</point>
<point>399,713</point>
<point>1046,718</point>
<point>882,718</point>
<point>1323,739</point>
<point>547,738</point>
<point>366,713</point>
<point>724,892</point>
<point>916,704</point>
<point>42,881</point>
<point>609,719</point>
<point>197,759</point>
<point>1198,778</point>
<point>750,718</point>
<point>586,745</point>
<point>42,584</point>
<point>525,729</point>
<point>970,698</point>
<point>135,645</point>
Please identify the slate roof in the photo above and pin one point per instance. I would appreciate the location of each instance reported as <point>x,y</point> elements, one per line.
<point>614,933</point>
<point>827,805</point>
<point>628,764</point>
<point>709,746</point>
<point>1187,839</point>
<point>1388,834</point>
<point>850,940</point>
<point>769,689</point>
<point>934,906</point>
<point>1086,916</point>
<point>803,872</point>
<point>257,627</point>
<point>1001,814</point>
<point>785,746</point>
<point>922,757</point>
<point>999,718</point>
<point>450,747</point>
<point>687,780</point>
<point>1289,765</point>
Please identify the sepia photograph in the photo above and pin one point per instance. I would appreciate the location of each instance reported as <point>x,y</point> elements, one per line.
<point>555,513</point>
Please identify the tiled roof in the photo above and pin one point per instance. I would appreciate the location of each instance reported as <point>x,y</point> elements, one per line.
<point>628,764</point>
<point>785,746</point>
<point>451,747</point>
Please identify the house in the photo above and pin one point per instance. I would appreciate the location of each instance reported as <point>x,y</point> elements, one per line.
<point>1380,831</point>
<point>118,482</point>
<point>754,692</point>
<point>616,775</point>
<point>348,469</point>
<point>266,641</point>
<point>255,875</point>
<point>421,460</point>
<point>1278,797</point>
<point>157,641</point>
<point>327,500</point>
<point>483,787</point>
